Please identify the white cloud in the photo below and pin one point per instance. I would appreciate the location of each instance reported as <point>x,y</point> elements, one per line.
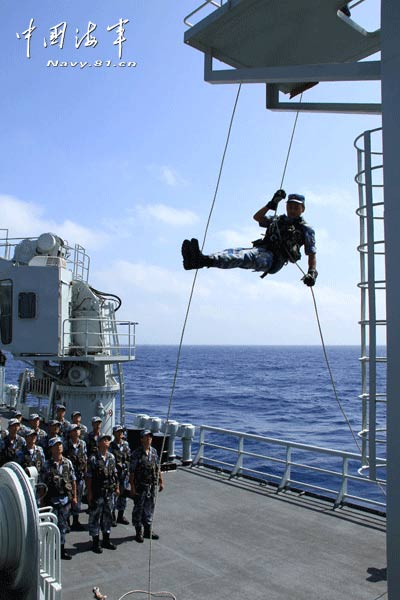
<point>26,219</point>
<point>341,201</point>
<point>168,175</point>
<point>168,214</point>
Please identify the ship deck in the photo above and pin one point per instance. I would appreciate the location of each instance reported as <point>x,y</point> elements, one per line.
<point>236,539</point>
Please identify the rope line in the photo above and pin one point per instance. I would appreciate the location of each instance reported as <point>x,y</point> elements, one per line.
<point>334,388</point>
<point>186,320</point>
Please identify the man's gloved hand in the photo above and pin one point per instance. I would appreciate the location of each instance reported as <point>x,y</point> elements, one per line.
<point>310,278</point>
<point>277,197</point>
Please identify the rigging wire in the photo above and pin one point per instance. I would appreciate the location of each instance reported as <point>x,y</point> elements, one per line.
<point>332,380</point>
<point>187,316</point>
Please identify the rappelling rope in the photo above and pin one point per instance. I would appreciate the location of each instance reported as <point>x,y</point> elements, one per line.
<point>335,392</point>
<point>185,323</point>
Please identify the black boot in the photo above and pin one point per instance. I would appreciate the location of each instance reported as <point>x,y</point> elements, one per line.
<point>192,256</point>
<point>139,535</point>
<point>76,525</point>
<point>96,547</point>
<point>121,518</point>
<point>107,543</point>
<point>149,534</point>
<point>64,553</point>
<point>113,519</point>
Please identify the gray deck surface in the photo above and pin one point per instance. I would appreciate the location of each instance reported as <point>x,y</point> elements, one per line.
<point>222,539</point>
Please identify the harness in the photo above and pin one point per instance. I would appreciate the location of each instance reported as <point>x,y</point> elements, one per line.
<point>121,455</point>
<point>78,458</point>
<point>104,479</point>
<point>284,238</point>
<point>146,470</point>
<point>32,460</point>
<point>9,452</point>
<point>59,485</point>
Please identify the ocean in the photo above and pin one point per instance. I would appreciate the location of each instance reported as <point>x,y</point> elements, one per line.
<point>281,392</point>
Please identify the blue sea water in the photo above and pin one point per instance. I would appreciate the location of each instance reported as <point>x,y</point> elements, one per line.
<point>276,391</point>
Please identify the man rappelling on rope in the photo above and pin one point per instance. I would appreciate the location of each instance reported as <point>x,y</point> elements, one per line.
<point>284,236</point>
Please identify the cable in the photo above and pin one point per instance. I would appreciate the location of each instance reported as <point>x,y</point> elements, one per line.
<point>186,320</point>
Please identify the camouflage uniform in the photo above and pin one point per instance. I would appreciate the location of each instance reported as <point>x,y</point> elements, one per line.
<point>122,454</point>
<point>78,457</point>
<point>64,428</point>
<point>31,458</point>
<point>91,443</point>
<point>104,477</point>
<point>59,477</point>
<point>9,448</point>
<point>144,468</point>
<point>282,242</point>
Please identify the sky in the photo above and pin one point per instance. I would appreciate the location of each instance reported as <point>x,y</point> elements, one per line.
<point>124,160</point>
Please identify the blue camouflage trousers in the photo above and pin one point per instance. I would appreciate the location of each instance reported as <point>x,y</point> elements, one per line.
<point>120,501</point>
<point>62,512</point>
<point>143,507</point>
<point>258,259</point>
<point>100,515</point>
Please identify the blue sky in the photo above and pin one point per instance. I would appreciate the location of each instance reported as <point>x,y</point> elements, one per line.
<point>124,161</point>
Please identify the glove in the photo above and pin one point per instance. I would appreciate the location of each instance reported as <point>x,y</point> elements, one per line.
<point>277,197</point>
<point>310,278</point>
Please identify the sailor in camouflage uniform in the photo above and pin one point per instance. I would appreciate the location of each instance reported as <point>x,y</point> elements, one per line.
<point>64,424</point>
<point>59,477</point>
<point>102,484</point>
<point>11,443</point>
<point>76,419</point>
<point>144,477</point>
<point>75,450</point>
<point>53,431</point>
<point>120,448</point>
<point>93,436</point>
<point>31,455</point>
<point>34,423</point>
<point>284,237</point>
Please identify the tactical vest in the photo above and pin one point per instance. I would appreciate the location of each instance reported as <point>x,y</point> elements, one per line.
<point>59,485</point>
<point>284,237</point>
<point>32,460</point>
<point>77,457</point>
<point>104,479</point>
<point>9,453</point>
<point>91,445</point>
<point>146,470</point>
<point>121,456</point>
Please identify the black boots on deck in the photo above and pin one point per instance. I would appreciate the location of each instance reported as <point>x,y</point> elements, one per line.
<point>139,535</point>
<point>149,534</point>
<point>97,547</point>
<point>76,525</point>
<point>192,256</point>
<point>121,519</point>
<point>64,554</point>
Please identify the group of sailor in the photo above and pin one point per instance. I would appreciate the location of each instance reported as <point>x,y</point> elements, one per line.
<point>72,462</point>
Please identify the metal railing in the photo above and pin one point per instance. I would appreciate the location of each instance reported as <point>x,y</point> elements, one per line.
<point>373,287</point>
<point>84,336</point>
<point>207,3</point>
<point>50,560</point>
<point>290,459</point>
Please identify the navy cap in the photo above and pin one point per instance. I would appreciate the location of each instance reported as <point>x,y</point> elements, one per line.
<point>60,407</point>
<point>299,198</point>
<point>146,432</point>
<point>104,436</point>
<point>33,416</point>
<point>54,441</point>
<point>17,413</point>
<point>97,420</point>
<point>30,432</point>
<point>13,422</point>
<point>118,428</point>
<point>73,427</point>
<point>76,412</point>
<point>54,422</point>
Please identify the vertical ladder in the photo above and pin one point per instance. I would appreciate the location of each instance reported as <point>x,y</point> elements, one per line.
<point>113,343</point>
<point>372,287</point>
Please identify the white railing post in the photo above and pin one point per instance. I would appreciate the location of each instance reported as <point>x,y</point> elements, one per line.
<point>288,470</point>
<point>239,463</point>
